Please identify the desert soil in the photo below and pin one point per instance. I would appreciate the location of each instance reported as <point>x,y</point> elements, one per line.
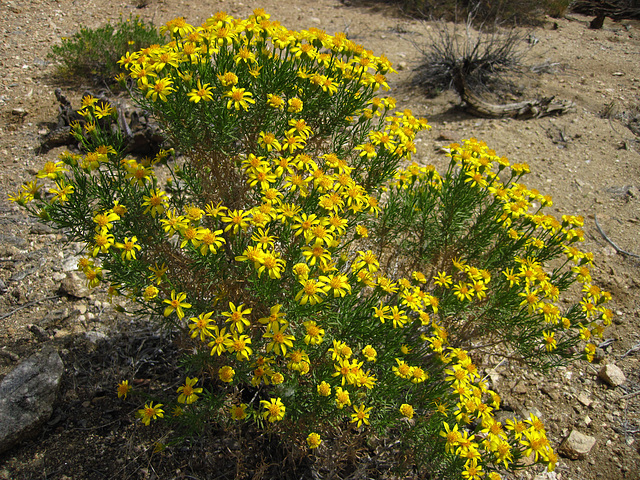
<point>588,160</point>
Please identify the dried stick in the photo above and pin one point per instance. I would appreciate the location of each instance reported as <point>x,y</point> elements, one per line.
<point>26,305</point>
<point>616,247</point>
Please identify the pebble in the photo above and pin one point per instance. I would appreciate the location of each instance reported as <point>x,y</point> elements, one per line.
<point>584,399</point>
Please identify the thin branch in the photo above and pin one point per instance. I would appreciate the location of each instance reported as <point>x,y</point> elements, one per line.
<point>629,395</point>
<point>635,348</point>
<point>27,305</point>
<point>616,247</point>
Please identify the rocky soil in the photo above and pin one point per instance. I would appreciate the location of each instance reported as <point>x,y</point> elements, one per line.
<point>588,160</point>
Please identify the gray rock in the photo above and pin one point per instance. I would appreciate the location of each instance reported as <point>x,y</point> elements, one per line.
<point>41,229</point>
<point>576,446</point>
<point>27,394</point>
<point>74,286</point>
<point>612,375</point>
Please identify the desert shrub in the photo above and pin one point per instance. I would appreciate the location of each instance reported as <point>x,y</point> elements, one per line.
<point>321,285</point>
<point>525,12</point>
<point>486,59</point>
<point>93,54</point>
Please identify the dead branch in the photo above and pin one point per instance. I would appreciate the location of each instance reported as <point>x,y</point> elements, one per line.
<point>616,247</point>
<point>535,108</point>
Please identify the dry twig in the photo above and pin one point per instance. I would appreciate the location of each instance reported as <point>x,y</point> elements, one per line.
<point>616,247</point>
<point>27,305</point>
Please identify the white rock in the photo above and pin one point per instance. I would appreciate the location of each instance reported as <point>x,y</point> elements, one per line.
<point>612,375</point>
<point>576,446</point>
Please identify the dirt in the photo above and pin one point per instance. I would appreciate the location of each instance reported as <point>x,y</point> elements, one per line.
<point>588,160</point>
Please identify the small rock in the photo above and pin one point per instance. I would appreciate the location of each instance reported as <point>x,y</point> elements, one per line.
<point>315,20</point>
<point>584,399</point>
<point>94,337</point>
<point>39,332</point>
<point>401,66</point>
<point>611,375</point>
<point>551,391</point>
<point>58,276</point>
<point>41,229</point>
<point>70,264</point>
<point>74,286</point>
<point>520,388</point>
<point>546,476</point>
<point>447,136</point>
<point>27,394</point>
<point>576,446</point>
<point>10,355</point>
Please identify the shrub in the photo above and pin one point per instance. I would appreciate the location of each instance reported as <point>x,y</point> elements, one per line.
<point>317,286</point>
<point>485,59</point>
<point>524,12</point>
<point>92,54</point>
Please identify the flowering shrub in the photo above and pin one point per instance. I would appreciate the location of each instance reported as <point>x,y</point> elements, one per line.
<point>93,54</point>
<point>317,284</point>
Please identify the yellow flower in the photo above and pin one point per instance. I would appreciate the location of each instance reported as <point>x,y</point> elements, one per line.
<point>123,389</point>
<point>237,317</point>
<point>463,291</point>
<point>61,192</point>
<point>313,440</point>
<point>239,98</point>
<point>310,293</point>
<point>324,389</point>
<point>226,374</point>
<point>314,334</point>
<point>200,326</point>
<point>342,398</point>
<point>104,110</point>
<point>239,412</point>
<point>274,409</point>
<point>161,89</point>
<point>295,105</point>
<point>361,415</point>
<point>369,353</point>
<point>203,92</point>
<point>550,341</point>
<point>239,344</point>
<point>188,394</point>
<point>155,203</point>
<point>406,410</point>
<point>237,219</point>
<point>150,293</point>
<point>275,101</point>
<point>51,170</point>
<point>128,247</point>
<point>268,141</point>
<point>176,303</point>
<point>150,412</point>
<point>105,220</point>
<point>279,341</point>
<point>103,241</point>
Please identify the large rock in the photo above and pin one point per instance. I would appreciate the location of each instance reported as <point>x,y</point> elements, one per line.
<point>27,394</point>
<point>612,375</point>
<point>74,286</point>
<point>576,446</point>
